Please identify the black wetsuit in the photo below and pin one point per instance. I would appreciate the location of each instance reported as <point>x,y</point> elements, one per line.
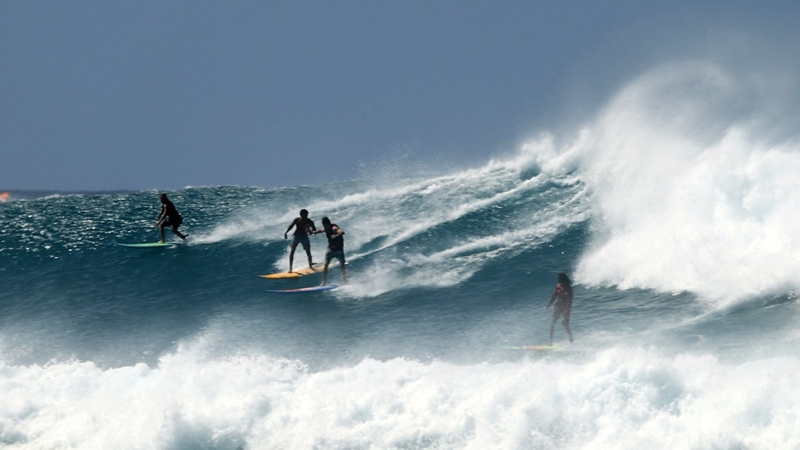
<point>335,244</point>
<point>173,219</point>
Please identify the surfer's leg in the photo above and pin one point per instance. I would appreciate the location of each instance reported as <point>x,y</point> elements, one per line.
<point>291,255</point>
<point>338,254</point>
<point>325,272</point>
<point>161,230</point>
<point>307,247</point>
<point>552,329</point>
<point>566,325</point>
<point>178,233</point>
<point>310,262</point>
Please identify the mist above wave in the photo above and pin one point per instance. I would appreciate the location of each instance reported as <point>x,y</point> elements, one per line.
<point>693,189</point>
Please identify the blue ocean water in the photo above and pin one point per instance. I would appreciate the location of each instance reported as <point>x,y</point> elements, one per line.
<point>684,253</point>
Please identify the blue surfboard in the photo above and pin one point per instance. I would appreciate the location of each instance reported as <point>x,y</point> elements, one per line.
<point>327,287</point>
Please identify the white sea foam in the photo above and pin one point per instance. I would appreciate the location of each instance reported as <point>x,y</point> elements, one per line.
<point>689,196</point>
<point>623,398</point>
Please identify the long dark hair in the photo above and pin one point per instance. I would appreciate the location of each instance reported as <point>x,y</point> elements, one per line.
<point>565,283</point>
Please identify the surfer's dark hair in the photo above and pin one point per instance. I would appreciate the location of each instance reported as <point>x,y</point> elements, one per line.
<point>303,212</point>
<point>163,197</point>
<point>563,281</point>
<point>325,220</point>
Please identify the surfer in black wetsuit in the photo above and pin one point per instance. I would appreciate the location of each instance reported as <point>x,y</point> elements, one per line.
<point>563,306</point>
<point>303,224</point>
<point>335,248</point>
<point>169,217</point>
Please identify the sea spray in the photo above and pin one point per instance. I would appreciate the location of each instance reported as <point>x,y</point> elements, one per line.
<point>623,398</point>
<point>686,196</point>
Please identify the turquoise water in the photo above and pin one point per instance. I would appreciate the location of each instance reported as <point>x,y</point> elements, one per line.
<point>182,347</point>
<point>682,243</point>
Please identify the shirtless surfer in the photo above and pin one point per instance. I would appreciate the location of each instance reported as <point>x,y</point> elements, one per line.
<point>302,224</point>
<point>169,217</point>
<point>563,298</point>
<point>335,247</point>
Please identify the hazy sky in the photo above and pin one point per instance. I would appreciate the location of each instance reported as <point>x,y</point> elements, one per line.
<point>137,95</point>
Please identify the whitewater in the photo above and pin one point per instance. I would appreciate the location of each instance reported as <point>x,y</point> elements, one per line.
<point>674,210</point>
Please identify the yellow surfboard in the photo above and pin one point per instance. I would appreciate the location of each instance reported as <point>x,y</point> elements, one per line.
<point>534,347</point>
<point>296,273</point>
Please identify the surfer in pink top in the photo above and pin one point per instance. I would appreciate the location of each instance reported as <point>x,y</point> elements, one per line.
<point>563,299</point>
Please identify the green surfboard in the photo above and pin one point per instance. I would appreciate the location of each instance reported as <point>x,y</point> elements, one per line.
<point>149,245</point>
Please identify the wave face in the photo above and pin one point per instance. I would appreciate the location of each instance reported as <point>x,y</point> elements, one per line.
<point>673,212</point>
<point>695,185</point>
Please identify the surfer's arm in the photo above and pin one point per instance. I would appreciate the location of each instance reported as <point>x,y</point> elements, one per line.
<point>337,232</point>
<point>552,297</point>
<point>290,228</point>
<point>162,214</point>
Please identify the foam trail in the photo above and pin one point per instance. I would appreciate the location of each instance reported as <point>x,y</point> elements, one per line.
<point>433,213</point>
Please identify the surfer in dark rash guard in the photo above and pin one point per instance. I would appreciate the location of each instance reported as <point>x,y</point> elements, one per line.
<point>169,217</point>
<point>563,299</point>
<point>303,224</point>
<point>335,247</point>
